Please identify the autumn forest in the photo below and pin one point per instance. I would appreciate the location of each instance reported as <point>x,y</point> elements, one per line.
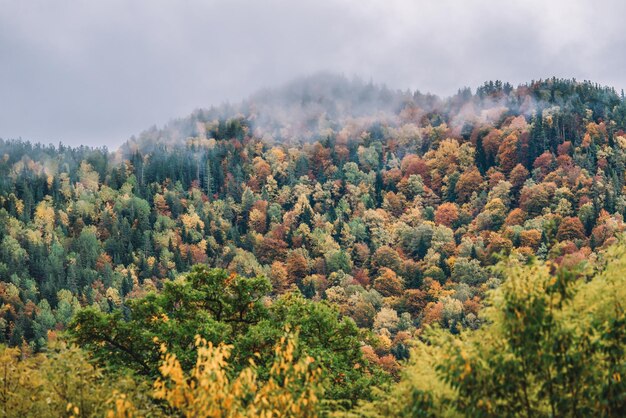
<point>329,248</point>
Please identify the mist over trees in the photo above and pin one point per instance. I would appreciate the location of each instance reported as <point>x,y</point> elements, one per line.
<point>359,242</point>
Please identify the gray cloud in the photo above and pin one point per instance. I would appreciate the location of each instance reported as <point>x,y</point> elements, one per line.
<point>96,72</point>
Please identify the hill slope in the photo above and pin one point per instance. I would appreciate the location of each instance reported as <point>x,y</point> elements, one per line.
<point>390,206</point>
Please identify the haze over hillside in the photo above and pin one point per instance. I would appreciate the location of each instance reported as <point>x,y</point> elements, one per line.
<point>323,104</point>
<point>95,73</point>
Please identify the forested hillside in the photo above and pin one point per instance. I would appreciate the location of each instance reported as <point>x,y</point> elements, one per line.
<point>347,218</point>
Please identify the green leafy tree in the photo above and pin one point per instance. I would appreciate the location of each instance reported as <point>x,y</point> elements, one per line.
<point>224,307</point>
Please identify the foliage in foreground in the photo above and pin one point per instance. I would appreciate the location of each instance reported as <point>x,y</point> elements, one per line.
<point>292,389</point>
<point>63,383</point>
<point>227,308</point>
<point>554,345</point>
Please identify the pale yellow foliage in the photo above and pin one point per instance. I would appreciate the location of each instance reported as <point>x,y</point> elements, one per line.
<point>44,215</point>
<point>278,161</point>
<point>62,383</point>
<point>192,220</point>
<point>113,295</point>
<point>88,178</point>
<point>19,204</point>
<point>257,220</point>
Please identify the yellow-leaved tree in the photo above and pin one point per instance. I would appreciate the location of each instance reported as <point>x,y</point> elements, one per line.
<point>208,390</point>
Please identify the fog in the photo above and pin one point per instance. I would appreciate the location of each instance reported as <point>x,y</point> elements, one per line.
<point>95,73</point>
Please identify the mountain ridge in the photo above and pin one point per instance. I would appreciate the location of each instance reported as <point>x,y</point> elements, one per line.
<point>309,108</point>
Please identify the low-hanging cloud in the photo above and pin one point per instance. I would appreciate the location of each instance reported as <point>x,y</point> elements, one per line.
<point>93,72</point>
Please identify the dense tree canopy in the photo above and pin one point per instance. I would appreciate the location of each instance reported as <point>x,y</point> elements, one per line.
<point>362,226</point>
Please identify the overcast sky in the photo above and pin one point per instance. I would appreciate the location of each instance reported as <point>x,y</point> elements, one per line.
<point>96,72</point>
